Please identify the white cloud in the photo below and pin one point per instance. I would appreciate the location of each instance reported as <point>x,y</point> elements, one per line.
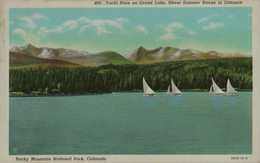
<point>20,32</point>
<point>213,25</point>
<point>28,22</point>
<point>101,30</point>
<point>142,29</point>
<point>100,25</point>
<point>84,19</point>
<point>192,33</point>
<point>122,20</point>
<point>27,36</point>
<point>39,16</point>
<point>71,24</point>
<point>168,36</point>
<point>43,30</point>
<point>175,25</point>
<point>202,20</point>
<point>84,27</point>
<point>206,18</point>
<point>172,28</point>
<point>117,23</point>
<point>230,16</point>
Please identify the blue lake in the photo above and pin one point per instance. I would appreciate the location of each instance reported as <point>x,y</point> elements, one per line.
<point>128,123</point>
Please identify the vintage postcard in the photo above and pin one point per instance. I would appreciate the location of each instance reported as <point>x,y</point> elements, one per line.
<point>130,81</point>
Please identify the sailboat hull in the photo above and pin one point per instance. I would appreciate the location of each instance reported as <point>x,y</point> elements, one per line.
<point>217,94</point>
<point>174,94</point>
<point>149,95</point>
<point>231,94</point>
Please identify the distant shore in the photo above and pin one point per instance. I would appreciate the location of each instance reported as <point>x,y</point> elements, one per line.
<point>23,94</point>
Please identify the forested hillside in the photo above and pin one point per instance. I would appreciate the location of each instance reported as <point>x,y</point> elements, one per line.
<point>110,78</point>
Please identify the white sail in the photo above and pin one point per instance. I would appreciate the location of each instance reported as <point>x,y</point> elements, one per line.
<point>147,89</point>
<point>175,90</point>
<point>216,89</point>
<point>169,91</point>
<point>211,89</point>
<point>230,89</point>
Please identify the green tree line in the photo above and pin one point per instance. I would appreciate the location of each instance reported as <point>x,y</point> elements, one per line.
<point>112,78</point>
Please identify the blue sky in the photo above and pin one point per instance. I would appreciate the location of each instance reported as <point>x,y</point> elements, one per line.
<point>124,29</point>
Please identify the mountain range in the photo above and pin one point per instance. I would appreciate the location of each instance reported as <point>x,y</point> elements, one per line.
<point>142,55</point>
<point>31,56</point>
<point>63,57</point>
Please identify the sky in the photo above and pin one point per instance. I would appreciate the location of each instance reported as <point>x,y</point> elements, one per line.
<point>122,30</point>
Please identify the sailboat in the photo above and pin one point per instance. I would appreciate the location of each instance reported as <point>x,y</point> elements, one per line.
<point>148,92</point>
<point>230,90</point>
<point>215,90</point>
<point>211,89</point>
<point>169,90</point>
<point>175,90</point>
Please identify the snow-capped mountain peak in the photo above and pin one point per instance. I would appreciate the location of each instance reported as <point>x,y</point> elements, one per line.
<point>47,54</point>
<point>14,49</point>
<point>132,55</point>
<point>159,53</point>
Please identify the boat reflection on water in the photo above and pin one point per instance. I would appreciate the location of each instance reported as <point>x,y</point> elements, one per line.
<point>150,102</point>
<point>232,100</point>
<point>176,100</point>
<point>217,101</point>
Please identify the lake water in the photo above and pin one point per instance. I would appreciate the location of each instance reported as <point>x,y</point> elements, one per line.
<point>128,123</point>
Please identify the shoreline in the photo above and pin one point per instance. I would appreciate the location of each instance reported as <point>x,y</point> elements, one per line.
<point>83,94</point>
<point>46,95</point>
